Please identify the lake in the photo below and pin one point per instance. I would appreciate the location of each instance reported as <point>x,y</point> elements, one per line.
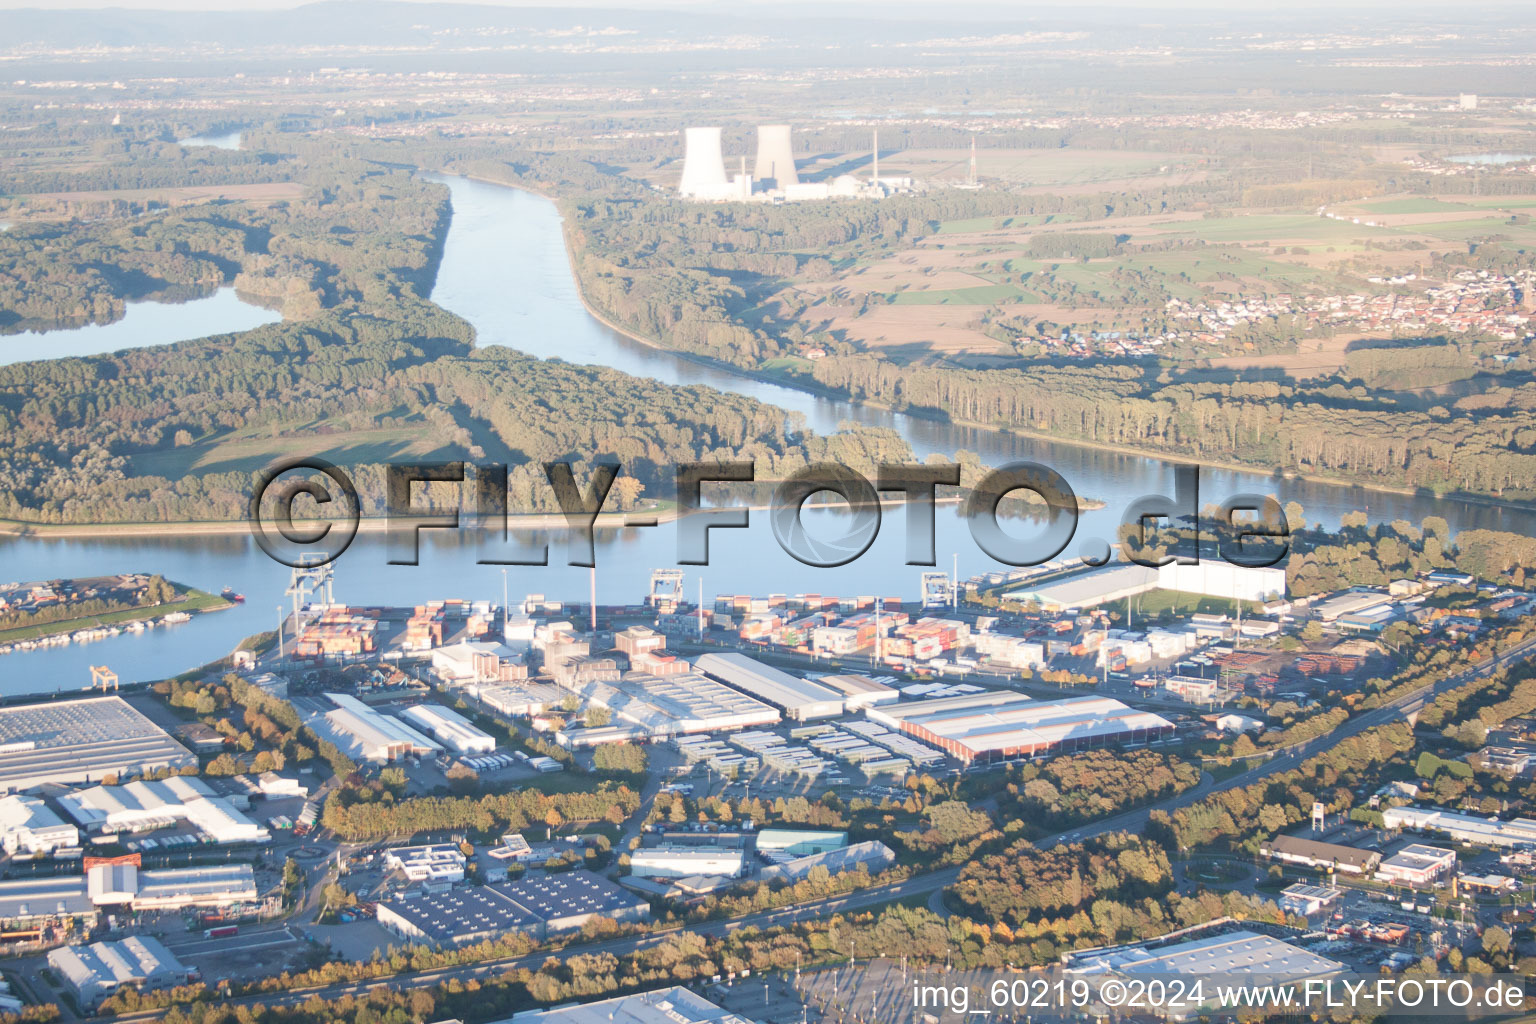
<point>504,269</point>
<point>1492,159</point>
<point>143,324</point>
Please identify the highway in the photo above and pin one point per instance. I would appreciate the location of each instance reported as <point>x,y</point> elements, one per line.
<point>925,884</point>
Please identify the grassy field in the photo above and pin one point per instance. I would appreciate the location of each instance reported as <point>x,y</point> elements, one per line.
<point>1413,204</point>
<point>981,295</point>
<point>189,600</point>
<point>246,453</point>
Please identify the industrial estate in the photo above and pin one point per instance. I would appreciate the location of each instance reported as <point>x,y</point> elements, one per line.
<point>283,741</point>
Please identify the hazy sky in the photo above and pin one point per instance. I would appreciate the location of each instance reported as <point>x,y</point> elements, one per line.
<point>925,7</point>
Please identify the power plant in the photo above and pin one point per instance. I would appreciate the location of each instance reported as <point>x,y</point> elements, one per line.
<point>775,156</point>
<point>774,178</point>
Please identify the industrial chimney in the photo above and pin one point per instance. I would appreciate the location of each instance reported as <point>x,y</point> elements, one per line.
<point>775,156</point>
<point>703,165</point>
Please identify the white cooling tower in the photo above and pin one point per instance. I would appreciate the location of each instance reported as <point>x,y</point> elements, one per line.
<point>775,156</point>
<point>703,166</point>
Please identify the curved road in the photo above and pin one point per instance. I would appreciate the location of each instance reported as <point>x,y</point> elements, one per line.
<point>924,884</point>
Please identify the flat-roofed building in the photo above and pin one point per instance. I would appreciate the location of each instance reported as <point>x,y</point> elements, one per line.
<point>26,902</point>
<point>82,741</point>
<point>28,825</point>
<point>686,861</point>
<point>367,734</point>
<point>662,1006</point>
<point>520,699</point>
<point>997,724</point>
<point>146,805</point>
<point>96,971</point>
<point>1418,864</point>
<point>1088,589</point>
<point>537,905</point>
<point>1306,899</point>
<point>799,842</point>
<point>1326,856</point>
<point>450,728</point>
<point>478,661</point>
<point>1465,828</point>
<point>437,862</point>
<point>798,698</point>
<point>873,856</point>
<point>212,885</point>
<point>1239,952</point>
<point>1351,602</point>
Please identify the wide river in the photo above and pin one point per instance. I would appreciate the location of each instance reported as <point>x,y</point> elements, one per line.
<point>505,270</point>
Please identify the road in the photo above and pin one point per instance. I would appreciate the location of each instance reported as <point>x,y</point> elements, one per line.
<point>924,885</point>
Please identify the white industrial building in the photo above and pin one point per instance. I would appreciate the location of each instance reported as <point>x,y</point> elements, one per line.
<point>27,825</point>
<point>662,1006</point>
<point>477,661</point>
<point>1209,578</point>
<point>438,862</point>
<point>1003,723</point>
<point>96,971</point>
<point>364,733</point>
<point>1013,651</point>
<point>82,741</point>
<point>142,806</point>
<point>799,699</point>
<point>520,699</point>
<point>860,692</point>
<point>1464,828</point>
<point>1417,864</point>
<point>216,885</point>
<point>873,856</point>
<point>27,902</point>
<point>656,707</point>
<point>1238,953</point>
<point>450,728</point>
<point>686,861</point>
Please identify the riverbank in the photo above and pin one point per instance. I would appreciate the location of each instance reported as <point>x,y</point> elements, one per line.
<point>191,601</point>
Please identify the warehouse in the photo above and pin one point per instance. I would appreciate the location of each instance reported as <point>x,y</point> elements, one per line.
<point>873,856</point>
<point>860,692</point>
<point>141,806</point>
<point>997,724</point>
<point>540,906</point>
<point>27,825</point>
<point>684,861</point>
<point>1240,952</point>
<point>1088,589</point>
<point>1464,828</point>
<point>450,728</point>
<point>1216,578</point>
<point>100,969</point>
<point>214,885</point>
<point>662,1006</point>
<point>364,733</point>
<point>476,661</point>
<point>799,699</point>
<point>520,699</point>
<point>663,706</point>
<point>799,842</point>
<point>1326,856</point>
<point>25,902</point>
<point>82,741</point>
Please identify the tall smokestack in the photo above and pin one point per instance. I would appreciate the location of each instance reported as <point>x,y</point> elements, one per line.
<point>775,155</point>
<point>703,166</point>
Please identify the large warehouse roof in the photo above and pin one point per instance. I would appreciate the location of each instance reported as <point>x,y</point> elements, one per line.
<point>800,698</point>
<point>164,802</point>
<point>365,732</point>
<point>669,705</point>
<point>1235,953</point>
<point>663,1006</point>
<point>526,904</point>
<point>1005,722</point>
<point>84,740</point>
<point>1087,589</point>
<point>452,728</point>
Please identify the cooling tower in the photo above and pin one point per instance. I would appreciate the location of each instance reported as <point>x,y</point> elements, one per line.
<point>775,156</point>
<point>703,166</point>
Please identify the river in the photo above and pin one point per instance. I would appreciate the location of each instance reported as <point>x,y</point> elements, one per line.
<point>504,269</point>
